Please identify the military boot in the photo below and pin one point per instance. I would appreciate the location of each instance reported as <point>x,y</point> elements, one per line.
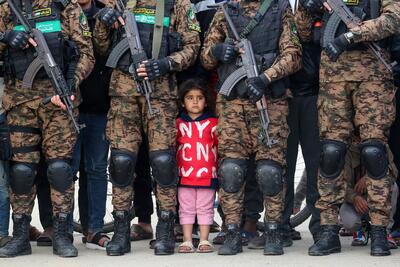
<point>328,241</point>
<point>165,237</point>
<point>121,240</point>
<point>233,241</point>
<point>379,243</point>
<point>19,244</point>
<point>273,239</point>
<point>62,242</point>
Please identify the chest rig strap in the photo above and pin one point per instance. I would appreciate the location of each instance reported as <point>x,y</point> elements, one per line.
<point>257,18</point>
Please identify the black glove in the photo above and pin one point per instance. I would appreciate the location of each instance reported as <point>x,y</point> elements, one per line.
<point>314,6</point>
<point>256,87</point>
<point>15,39</point>
<point>155,68</point>
<point>108,16</point>
<point>335,48</point>
<point>224,52</point>
<point>71,82</point>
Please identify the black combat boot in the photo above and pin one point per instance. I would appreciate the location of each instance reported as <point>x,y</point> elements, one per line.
<point>165,237</point>
<point>121,240</point>
<point>62,242</point>
<point>379,243</point>
<point>19,244</point>
<point>286,238</point>
<point>273,241</point>
<point>327,242</point>
<point>233,241</point>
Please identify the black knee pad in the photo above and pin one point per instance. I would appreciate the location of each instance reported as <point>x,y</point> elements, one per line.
<point>332,158</point>
<point>122,168</point>
<point>269,175</point>
<point>164,167</point>
<point>232,174</point>
<point>59,173</point>
<point>374,158</point>
<point>22,177</point>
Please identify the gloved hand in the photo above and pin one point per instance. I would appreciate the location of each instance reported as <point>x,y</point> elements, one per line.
<point>108,16</point>
<point>335,48</point>
<point>71,82</point>
<point>256,87</point>
<point>155,68</point>
<point>314,6</point>
<point>16,39</point>
<point>224,52</point>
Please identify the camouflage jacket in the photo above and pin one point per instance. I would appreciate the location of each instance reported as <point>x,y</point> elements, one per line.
<point>357,65</point>
<point>73,26</point>
<point>289,59</point>
<point>181,21</point>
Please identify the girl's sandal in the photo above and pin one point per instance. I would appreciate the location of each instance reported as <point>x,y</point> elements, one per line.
<point>186,247</point>
<point>205,247</point>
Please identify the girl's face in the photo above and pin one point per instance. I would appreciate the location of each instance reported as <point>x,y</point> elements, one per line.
<point>194,102</point>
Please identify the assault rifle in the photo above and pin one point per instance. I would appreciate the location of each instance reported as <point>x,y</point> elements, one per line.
<point>45,59</point>
<point>133,43</point>
<point>339,8</point>
<point>248,69</point>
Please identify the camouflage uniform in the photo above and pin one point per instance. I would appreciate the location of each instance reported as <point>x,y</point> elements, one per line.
<point>128,114</point>
<point>356,97</point>
<point>239,123</point>
<point>46,128</point>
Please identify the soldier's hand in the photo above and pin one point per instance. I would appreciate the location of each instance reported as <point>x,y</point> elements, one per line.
<point>335,48</point>
<point>361,186</point>
<point>56,100</point>
<point>154,68</point>
<point>256,87</point>
<point>16,39</point>
<point>225,52</point>
<point>360,205</point>
<point>109,16</point>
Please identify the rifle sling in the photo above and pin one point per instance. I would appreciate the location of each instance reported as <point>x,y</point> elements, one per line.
<point>158,28</point>
<point>257,18</point>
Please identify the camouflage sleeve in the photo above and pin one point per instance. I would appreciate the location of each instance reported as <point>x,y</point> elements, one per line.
<point>289,59</point>
<point>101,34</point>
<point>387,24</point>
<point>183,21</point>
<point>4,13</point>
<point>217,33</point>
<point>303,21</point>
<point>74,26</point>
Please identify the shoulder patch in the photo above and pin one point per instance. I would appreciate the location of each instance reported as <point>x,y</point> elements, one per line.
<point>193,24</point>
<point>83,22</point>
<point>294,34</point>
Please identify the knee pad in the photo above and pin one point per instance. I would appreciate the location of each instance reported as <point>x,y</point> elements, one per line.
<point>232,174</point>
<point>164,167</point>
<point>374,158</point>
<point>269,175</point>
<point>332,158</point>
<point>59,173</point>
<point>22,177</point>
<point>122,168</point>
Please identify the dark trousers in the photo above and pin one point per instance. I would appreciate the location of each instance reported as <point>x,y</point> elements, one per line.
<point>43,196</point>
<point>303,124</point>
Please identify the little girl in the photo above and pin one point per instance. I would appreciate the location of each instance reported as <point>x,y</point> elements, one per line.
<point>197,163</point>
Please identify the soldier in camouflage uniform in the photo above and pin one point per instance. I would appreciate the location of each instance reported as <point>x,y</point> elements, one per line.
<point>36,127</point>
<point>275,43</point>
<point>129,113</point>
<point>356,97</point>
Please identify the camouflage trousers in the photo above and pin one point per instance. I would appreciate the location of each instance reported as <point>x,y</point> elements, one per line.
<point>128,118</point>
<point>364,109</point>
<point>55,138</point>
<point>238,130</point>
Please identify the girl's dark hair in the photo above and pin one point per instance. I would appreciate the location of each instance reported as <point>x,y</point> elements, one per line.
<point>193,84</point>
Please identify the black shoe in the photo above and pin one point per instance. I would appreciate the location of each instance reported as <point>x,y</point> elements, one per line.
<point>19,244</point>
<point>257,242</point>
<point>379,243</point>
<point>286,239</point>
<point>328,241</point>
<point>233,241</point>
<point>273,241</point>
<point>121,240</point>
<point>62,242</point>
<point>295,235</point>
<point>165,238</point>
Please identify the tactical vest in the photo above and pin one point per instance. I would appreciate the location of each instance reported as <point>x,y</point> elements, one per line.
<point>47,20</point>
<point>145,19</point>
<point>333,26</point>
<point>264,39</point>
